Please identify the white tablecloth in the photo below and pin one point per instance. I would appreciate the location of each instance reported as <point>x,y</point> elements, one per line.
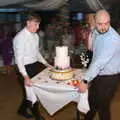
<point>53,94</point>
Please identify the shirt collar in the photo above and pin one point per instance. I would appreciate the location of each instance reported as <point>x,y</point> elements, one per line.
<point>28,32</point>
<point>97,33</point>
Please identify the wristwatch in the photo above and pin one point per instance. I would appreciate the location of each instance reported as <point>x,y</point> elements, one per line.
<point>85,81</point>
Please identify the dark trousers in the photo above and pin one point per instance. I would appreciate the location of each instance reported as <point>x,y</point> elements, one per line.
<point>32,70</point>
<point>101,92</point>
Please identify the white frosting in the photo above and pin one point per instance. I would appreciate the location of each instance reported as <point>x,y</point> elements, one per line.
<point>62,60</point>
<point>61,51</point>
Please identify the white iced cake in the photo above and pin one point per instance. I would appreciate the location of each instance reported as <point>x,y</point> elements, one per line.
<point>62,69</point>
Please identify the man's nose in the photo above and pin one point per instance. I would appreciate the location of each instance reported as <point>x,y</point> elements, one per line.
<point>103,26</point>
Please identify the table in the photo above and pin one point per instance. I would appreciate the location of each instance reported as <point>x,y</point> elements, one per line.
<point>54,95</point>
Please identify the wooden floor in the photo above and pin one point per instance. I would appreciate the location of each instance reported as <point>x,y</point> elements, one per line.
<point>11,96</point>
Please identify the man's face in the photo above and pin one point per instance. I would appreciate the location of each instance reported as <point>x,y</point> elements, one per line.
<point>33,26</point>
<point>102,24</point>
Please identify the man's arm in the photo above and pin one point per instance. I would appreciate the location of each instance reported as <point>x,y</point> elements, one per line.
<point>42,60</point>
<point>18,46</point>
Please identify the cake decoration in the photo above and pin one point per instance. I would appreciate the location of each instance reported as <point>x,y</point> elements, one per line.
<point>62,69</point>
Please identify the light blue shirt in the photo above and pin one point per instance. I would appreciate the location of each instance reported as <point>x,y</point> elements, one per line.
<point>106,55</point>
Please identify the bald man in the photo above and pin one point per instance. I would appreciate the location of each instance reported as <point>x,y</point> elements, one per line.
<point>103,74</point>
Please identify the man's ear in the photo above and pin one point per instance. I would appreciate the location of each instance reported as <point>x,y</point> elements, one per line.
<point>27,22</point>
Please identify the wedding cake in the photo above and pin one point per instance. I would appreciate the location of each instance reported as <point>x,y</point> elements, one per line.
<point>62,69</point>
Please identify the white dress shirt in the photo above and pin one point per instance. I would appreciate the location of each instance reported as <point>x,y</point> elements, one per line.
<point>26,50</point>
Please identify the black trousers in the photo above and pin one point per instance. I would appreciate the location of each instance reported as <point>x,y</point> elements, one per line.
<point>101,92</point>
<point>32,70</point>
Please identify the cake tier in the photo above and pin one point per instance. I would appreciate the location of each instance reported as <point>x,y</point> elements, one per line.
<point>61,74</point>
<point>62,62</point>
<point>61,51</point>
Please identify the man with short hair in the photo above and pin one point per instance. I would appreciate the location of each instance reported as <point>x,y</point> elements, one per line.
<point>103,74</point>
<point>27,57</point>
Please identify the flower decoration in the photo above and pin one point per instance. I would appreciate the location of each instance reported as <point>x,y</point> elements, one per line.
<point>84,59</point>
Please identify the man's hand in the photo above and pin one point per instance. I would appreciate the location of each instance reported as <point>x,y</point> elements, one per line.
<point>83,87</point>
<point>27,81</point>
<point>49,66</point>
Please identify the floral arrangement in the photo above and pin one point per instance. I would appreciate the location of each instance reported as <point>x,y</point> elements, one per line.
<point>84,59</point>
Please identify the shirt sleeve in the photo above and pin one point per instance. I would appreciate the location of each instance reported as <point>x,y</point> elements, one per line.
<point>102,59</point>
<point>42,59</point>
<point>19,48</point>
